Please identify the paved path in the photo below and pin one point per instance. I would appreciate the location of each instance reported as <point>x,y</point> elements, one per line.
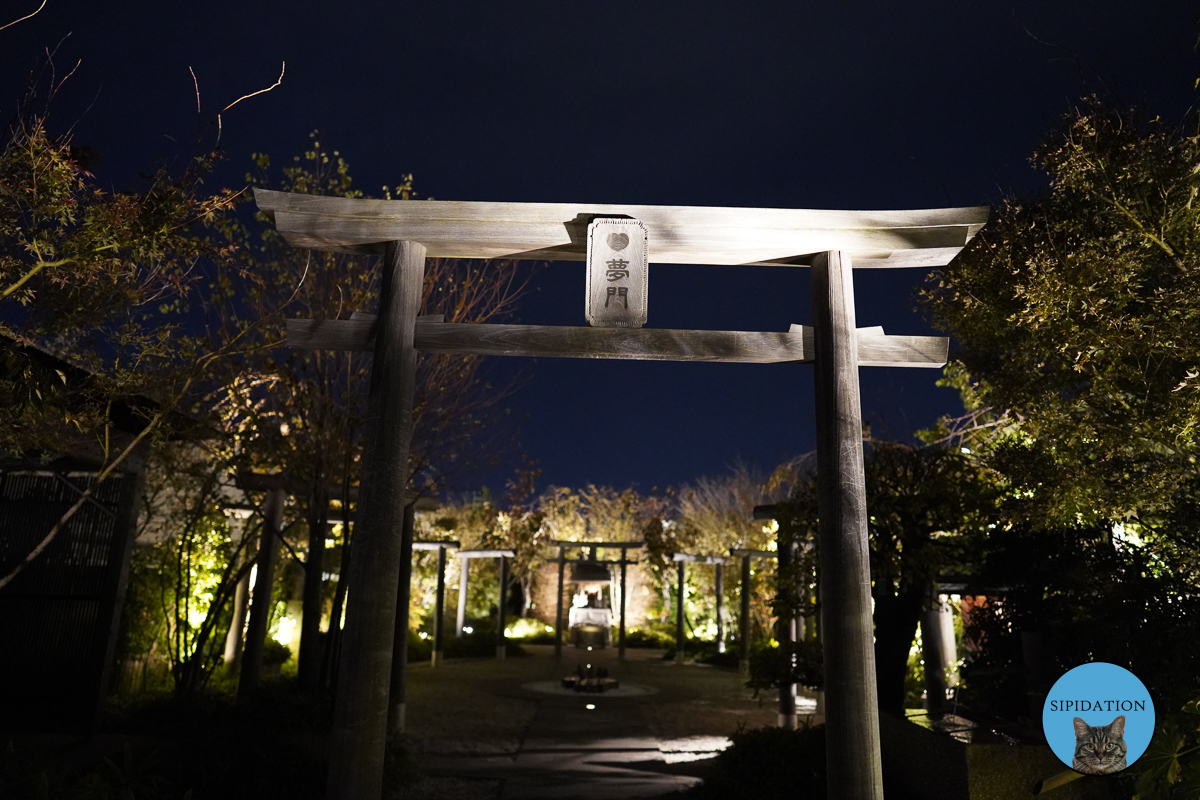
<point>477,730</point>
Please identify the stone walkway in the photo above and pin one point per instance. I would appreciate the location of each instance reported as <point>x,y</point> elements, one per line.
<point>480,728</point>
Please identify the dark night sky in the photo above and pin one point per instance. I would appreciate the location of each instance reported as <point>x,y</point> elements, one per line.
<point>798,105</point>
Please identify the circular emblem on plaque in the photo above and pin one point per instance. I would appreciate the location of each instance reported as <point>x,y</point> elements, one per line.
<point>618,241</point>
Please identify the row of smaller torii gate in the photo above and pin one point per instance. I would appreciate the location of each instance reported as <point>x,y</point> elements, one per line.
<point>937,628</point>
<point>937,654</point>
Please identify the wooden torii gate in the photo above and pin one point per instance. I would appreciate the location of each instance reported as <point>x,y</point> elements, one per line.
<point>681,559</point>
<point>562,561</point>
<point>790,629</point>
<point>436,657</point>
<point>405,232</point>
<point>745,593</point>
<point>466,556</point>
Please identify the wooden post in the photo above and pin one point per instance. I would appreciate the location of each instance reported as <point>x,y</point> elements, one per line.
<point>260,603</point>
<point>787,638</point>
<point>360,712</point>
<point>241,605</point>
<point>679,640</point>
<point>558,621</point>
<point>113,600</point>
<point>501,640</point>
<point>439,609</point>
<point>624,603</point>
<point>237,625</point>
<point>333,645</point>
<point>744,620</point>
<point>308,661</point>
<point>461,618</point>
<point>720,609</point>
<point>396,692</point>
<point>933,653</point>
<point>851,702</point>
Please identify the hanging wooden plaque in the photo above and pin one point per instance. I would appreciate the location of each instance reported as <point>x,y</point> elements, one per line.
<point>617,273</point>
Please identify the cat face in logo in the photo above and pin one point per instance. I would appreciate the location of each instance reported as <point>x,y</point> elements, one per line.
<point>1100,749</point>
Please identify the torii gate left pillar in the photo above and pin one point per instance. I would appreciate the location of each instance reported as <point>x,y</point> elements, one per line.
<point>360,712</point>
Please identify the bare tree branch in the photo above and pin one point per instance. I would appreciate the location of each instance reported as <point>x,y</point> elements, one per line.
<point>22,19</point>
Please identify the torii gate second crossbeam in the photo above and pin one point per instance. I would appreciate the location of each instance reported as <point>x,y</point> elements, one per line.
<point>405,232</point>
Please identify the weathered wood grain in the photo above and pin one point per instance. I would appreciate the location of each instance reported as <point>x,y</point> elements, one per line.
<point>851,706</point>
<point>360,717</point>
<point>363,315</point>
<point>678,234</point>
<point>331,334</point>
<point>877,350</point>
<point>649,344</point>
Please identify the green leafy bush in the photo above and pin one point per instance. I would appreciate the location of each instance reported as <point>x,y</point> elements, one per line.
<point>645,637</point>
<point>275,652</point>
<point>480,644</point>
<point>1170,767</point>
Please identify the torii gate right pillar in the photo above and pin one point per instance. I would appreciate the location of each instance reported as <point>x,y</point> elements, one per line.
<point>851,700</point>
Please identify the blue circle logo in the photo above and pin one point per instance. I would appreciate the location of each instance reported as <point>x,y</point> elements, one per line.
<point>1098,718</point>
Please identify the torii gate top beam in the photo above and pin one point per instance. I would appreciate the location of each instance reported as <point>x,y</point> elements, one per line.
<point>487,553</point>
<point>744,553</point>
<point>438,545</point>
<point>697,559</point>
<point>680,234</point>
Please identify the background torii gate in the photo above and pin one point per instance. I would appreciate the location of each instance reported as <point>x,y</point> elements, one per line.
<point>744,595</point>
<point>405,232</point>
<point>466,556</point>
<point>436,657</point>
<point>681,559</point>
<point>562,561</point>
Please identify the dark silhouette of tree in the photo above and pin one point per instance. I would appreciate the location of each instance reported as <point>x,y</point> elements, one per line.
<point>920,501</point>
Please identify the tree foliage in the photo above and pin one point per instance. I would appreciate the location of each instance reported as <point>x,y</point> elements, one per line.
<point>301,412</point>
<point>1077,312</point>
<point>716,515</point>
<point>95,276</point>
